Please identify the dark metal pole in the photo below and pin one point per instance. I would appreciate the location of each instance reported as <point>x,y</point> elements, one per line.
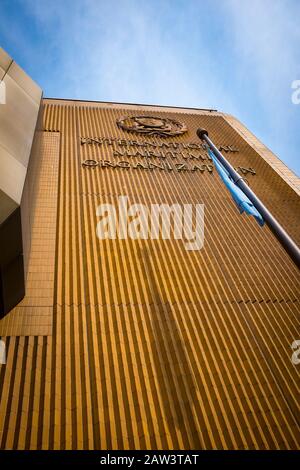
<point>282,236</point>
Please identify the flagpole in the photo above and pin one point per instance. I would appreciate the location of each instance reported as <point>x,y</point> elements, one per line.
<point>282,236</point>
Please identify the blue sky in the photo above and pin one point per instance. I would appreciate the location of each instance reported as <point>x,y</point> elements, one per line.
<point>237,56</point>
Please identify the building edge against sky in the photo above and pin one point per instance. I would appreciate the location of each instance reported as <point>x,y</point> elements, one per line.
<point>19,109</point>
<point>138,343</point>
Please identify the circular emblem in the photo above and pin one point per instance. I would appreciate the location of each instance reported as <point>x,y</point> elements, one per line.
<point>152,125</point>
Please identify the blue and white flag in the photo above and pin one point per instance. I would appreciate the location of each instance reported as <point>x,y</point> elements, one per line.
<point>242,201</point>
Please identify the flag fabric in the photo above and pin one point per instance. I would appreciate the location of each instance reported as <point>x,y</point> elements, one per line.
<point>242,201</point>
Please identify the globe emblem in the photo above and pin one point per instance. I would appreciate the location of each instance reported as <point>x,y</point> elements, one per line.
<point>152,125</point>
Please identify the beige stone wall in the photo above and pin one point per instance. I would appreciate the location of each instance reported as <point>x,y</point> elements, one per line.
<point>19,107</point>
<point>18,118</point>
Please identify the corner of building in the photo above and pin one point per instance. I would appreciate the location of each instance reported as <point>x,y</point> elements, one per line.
<point>19,110</point>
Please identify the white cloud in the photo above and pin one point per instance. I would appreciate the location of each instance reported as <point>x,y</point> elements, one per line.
<point>123,51</point>
<point>266,39</point>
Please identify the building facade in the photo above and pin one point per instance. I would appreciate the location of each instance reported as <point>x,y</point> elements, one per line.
<point>140,343</point>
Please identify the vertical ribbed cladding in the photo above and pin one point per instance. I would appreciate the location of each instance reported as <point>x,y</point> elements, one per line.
<point>23,385</point>
<point>25,380</point>
<point>154,346</point>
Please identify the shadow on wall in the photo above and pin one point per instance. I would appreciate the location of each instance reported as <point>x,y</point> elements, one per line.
<point>175,376</point>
